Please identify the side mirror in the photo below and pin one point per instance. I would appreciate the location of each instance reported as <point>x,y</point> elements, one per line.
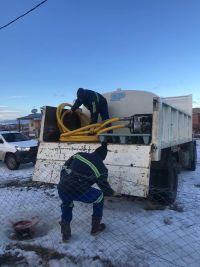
<point>1,141</point>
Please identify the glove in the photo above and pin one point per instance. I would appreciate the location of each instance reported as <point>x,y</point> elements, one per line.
<point>115,194</point>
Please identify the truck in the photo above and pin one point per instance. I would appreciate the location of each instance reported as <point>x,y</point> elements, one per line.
<point>144,158</point>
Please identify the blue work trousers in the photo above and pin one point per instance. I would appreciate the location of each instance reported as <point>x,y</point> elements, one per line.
<point>102,109</point>
<point>93,195</point>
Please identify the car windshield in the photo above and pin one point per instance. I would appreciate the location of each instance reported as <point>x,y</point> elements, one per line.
<point>15,137</point>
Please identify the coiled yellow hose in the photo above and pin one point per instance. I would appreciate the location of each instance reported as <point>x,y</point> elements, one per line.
<point>87,132</point>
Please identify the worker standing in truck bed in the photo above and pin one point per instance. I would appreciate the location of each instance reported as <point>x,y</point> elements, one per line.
<point>94,102</point>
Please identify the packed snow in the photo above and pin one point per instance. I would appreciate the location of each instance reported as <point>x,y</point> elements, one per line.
<point>135,235</point>
<point>24,172</point>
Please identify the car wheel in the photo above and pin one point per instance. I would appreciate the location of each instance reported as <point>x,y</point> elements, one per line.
<point>11,162</point>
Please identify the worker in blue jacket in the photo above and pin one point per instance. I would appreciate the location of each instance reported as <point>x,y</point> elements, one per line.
<point>94,102</point>
<point>78,174</point>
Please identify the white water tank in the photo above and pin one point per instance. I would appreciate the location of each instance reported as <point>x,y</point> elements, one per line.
<point>125,103</point>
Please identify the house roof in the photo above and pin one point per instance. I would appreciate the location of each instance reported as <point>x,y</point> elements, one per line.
<point>32,116</point>
<point>11,122</point>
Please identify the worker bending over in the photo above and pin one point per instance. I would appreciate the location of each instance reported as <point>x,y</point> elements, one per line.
<point>94,102</point>
<point>78,174</point>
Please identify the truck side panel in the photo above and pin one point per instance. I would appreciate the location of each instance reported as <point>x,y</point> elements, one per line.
<point>128,165</point>
<point>171,127</point>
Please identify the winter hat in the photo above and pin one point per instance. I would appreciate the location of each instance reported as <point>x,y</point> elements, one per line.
<point>80,93</point>
<point>102,150</point>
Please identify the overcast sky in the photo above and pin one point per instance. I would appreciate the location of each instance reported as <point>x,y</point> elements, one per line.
<point>102,45</point>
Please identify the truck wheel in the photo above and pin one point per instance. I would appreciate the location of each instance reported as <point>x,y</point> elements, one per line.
<point>164,183</point>
<point>193,156</point>
<point>11,162</point>
<point>172,180</point>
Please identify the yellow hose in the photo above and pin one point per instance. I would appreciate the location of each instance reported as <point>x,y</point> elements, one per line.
<point>80,139</point>
<point>81,129</point>
<point>87,132</point>
<point>103,124</point>
<point>110,128</point>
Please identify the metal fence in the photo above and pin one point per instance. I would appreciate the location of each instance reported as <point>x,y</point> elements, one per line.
<point>138,232</point>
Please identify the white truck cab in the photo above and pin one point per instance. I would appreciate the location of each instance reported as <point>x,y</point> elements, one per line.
<point>17,148</point>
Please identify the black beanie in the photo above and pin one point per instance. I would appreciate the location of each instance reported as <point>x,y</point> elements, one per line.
<point>102,150</point>
<point>80,93</point>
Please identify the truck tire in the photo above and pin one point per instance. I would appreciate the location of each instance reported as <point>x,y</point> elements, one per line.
<point>193,156</point>
<point>11,162</point>
<point>164,182</point>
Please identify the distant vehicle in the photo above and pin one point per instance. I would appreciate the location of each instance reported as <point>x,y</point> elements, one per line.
<point>17,148</point>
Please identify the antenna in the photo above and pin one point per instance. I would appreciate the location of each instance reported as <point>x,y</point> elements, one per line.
<point>34,111</point>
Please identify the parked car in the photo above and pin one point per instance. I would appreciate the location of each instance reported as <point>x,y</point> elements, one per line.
<point>17,148</point>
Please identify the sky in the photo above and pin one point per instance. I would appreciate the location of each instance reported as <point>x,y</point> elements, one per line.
<point>102,45</point>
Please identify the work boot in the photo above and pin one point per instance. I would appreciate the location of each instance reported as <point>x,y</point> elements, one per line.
<point>97,226</point>
<point>65,230</point>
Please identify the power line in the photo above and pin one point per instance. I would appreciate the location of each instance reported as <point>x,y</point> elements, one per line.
<point>12,21</point>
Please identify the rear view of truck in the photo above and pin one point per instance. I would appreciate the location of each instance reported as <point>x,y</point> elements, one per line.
<point>151,142</point>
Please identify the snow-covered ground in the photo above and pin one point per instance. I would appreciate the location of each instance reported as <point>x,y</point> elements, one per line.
<point>24,172</point>
<point>135,235</point>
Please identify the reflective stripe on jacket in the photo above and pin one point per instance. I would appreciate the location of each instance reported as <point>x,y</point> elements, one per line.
<point>86,170</point>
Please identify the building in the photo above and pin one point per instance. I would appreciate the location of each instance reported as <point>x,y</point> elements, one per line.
<point>196,120</point>
<point>9,125</point>
<point>32,128</point>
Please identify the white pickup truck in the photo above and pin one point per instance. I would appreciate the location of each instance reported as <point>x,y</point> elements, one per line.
<point>143,160</point>
<point>17,148</point>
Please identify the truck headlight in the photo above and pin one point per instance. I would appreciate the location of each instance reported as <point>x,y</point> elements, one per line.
<point>22,148</point>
